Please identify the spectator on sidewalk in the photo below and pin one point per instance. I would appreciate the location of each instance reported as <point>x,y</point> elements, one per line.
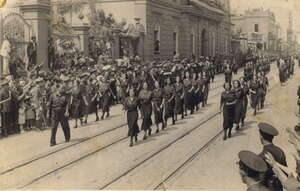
<point>252,168</point>
<point>289,178</point>
<point>267,134</point>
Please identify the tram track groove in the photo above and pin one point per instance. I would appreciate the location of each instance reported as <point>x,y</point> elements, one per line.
<point>159,151</point>
<point>59,150</point>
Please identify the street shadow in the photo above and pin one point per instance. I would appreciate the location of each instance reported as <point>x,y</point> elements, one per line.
<point>79,139</point>
<point>170,128</point>
<point>249,123</point>
<point>209,105</point>
<point>141,141</point>
<point>198,112</point>
<point>181,122</point>
<point>111,117</point>
<point>268,105</point>
<point>161,132</point>
<point>259,112</point>
<point>238,134</point>
<point>188,117</point>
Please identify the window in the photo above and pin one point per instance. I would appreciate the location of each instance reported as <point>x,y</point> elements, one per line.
<point>175,41</point>
<point>157,39</point>
<point>256,29</point>
<point>193,43</point>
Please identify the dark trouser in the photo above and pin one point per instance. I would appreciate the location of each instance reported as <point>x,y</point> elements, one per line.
<point>59,117</point>
<point>262,101</point>
<point>6,123</point>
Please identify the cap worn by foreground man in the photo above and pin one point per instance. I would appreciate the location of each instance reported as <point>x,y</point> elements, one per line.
<point>253,161</point>
<point>268,129</point>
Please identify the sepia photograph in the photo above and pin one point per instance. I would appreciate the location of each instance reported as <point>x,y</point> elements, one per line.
<point>150,95</point>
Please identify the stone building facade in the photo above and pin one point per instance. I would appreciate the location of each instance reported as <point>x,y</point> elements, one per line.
<point>260,27</point>
<point>186,27</point>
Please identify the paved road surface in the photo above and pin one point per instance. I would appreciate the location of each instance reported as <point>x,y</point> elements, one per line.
<point>95,163</point>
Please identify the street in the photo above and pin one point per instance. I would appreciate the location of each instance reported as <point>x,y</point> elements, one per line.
<point>98,155</point>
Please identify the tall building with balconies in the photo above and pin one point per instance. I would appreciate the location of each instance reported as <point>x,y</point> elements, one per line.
<point>260,26</point>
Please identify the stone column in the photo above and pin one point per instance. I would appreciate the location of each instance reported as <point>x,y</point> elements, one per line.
<point>36,13</point>
<point>83,32</point>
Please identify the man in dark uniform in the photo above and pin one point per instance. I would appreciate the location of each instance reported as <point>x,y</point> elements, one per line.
<point>59,112</point>
<point>5,108</point>
<point>251,168</point>
<point>267,134</point>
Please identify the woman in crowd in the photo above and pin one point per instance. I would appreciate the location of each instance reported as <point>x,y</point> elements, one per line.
<point>135,84</point>
<point>239,103</point>
<point>228,100</point>
<point>77,103</point>
<point>206,84</point>
<point>169,93</point>
<point>254,94</point>
<point>131,106</point>
<point>281,71</point>
<point>196,95</point>
<point>228,73</point>
<point>188,96</point>
<point>179,96</point>
<point>245,89</point>
<point>106,94</point>
<point>145,98</point>
<point>158,105</point>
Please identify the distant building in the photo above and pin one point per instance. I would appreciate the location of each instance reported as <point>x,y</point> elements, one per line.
<point>260,28</point>
<point>191,28</point>
<point>291,36</point>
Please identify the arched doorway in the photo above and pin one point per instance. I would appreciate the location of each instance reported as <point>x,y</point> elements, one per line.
<point>213,44</point>
<point>204,43</point>
<point>18,32</point>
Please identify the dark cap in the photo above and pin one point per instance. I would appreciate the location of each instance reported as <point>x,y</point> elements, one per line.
<point>297,127</point>
<point>253,161</point>
<point>268,129</point>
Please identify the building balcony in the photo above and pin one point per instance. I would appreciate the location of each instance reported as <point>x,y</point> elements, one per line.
<point>209,5</point>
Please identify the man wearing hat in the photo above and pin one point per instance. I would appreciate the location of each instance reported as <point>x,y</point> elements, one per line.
<point>5,108</point>
<point>59,113</point>
<point>37,93</point>
<point>252,167</point>
<point>31,52</point>
<point>267,134</point>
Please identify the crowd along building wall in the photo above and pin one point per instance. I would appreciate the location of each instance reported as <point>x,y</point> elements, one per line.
<point>195,27</point>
